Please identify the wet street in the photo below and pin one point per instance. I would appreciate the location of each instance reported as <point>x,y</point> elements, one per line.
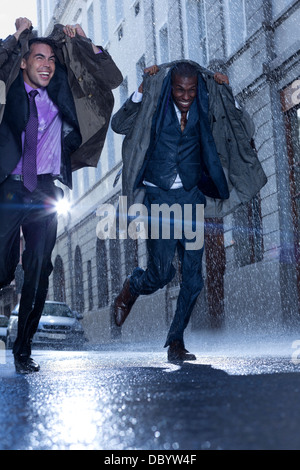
<point>235,396</point>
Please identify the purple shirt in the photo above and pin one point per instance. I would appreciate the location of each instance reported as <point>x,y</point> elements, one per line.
<point>49,135</point>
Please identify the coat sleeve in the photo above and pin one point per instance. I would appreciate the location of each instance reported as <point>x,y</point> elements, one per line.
<point>124,119</point>
<point>91,78</point>
<point>101,65</point>
<point>11,53</point>
<point>77,53</point>
<point>232,135</point>
<point>7,47</point>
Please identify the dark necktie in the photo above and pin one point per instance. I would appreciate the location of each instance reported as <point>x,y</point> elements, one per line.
<point>30,145</point>
<point>183,120</point>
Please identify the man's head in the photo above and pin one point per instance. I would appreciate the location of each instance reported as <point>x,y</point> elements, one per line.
<point>184,78</point>
<point>38,64</point>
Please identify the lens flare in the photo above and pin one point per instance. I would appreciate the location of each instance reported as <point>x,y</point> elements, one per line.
<point>63,207</point>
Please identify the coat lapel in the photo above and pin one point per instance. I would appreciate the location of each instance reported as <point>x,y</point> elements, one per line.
<point>17,100</point>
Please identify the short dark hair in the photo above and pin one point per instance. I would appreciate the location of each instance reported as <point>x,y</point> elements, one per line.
<point>38,40</point>
<point>184,69</point>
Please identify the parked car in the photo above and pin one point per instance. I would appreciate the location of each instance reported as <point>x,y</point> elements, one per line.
<point>3,327</point>
<point>58,326</point>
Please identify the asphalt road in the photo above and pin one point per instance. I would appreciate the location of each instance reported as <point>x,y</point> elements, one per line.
<point>238,395</point>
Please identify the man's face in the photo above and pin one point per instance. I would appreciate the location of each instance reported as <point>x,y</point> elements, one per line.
<point>184,90</point>
<point>39,67</point>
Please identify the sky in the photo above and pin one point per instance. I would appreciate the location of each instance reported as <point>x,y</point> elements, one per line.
<point>14,9</point>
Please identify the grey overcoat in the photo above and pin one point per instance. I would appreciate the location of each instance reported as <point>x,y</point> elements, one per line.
<point>232,130</point>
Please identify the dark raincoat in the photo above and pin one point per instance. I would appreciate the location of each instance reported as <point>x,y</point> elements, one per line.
<point>82,89</point>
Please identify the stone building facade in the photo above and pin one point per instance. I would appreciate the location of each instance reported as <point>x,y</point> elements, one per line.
<point>251,263</point>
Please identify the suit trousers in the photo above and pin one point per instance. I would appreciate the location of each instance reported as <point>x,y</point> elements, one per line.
<point>35,214</point>
<point>161,251</point>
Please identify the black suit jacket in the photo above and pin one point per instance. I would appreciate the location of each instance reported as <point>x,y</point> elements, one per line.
<point>16,116</point>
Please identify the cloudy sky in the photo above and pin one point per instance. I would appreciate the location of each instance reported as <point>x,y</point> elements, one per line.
<point>14,9</point>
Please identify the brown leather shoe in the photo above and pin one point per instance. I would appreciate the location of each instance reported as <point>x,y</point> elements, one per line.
<point>123,303</point>
<point>177,352</point>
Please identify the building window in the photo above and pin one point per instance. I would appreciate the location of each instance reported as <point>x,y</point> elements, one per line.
<point>102,280</point>
<point>119,6</point>
<point>59,293</point>
<point>248,234</point>
<point>114,257</point>
<point>120,33</point>
<point>164,44</point>
<point>235,24</point>
<point>196,30</point>
<point>79,292</point>
<point>90,21</point>
<point>104,21</point>
<point>290,99</point>
<point>137,8</point>
<point>90,285</point>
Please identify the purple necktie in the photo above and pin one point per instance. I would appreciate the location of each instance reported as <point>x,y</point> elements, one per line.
<point>30,145</point>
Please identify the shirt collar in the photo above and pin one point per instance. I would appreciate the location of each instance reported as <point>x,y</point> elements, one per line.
<point>28,89</point>
<point>178,112</point>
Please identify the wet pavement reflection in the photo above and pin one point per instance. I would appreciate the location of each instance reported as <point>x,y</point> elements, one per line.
<point>122,399</point>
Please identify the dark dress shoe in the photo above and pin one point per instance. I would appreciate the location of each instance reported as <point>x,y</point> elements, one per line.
<point>26,365</point>
<point>123,303</point>
<point>177,352</point>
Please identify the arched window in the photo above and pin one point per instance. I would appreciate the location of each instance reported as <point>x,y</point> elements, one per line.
<point>90,284</point>
<point>79,293</point>
<point>290,100</point>
<point>59,291</point>
<point>115,265</point>
<point>248,233</point>
<point>102,278</point>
